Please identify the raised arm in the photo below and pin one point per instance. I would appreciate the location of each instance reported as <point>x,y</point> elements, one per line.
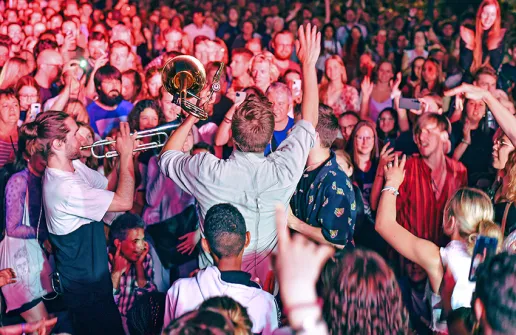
<point>420,251</point>
<point>177,139</point>
<point>503,116</point>
<point>223,134</point>
<point>308,48</point>
<point>124,194</point>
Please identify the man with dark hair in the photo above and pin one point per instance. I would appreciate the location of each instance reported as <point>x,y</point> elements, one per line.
<point>323,205</point>
<point>75,200</point>
<point>130,263</point>
<point>110,109</point>
<point>225,239</point>
<point>494,301</point>
<point>50,63</point>
<point>255,184</point>
<point>197,27</point>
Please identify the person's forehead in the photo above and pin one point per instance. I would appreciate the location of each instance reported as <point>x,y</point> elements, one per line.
<point>485,78</point>
<point>348,119</point>
<point>365,130</point>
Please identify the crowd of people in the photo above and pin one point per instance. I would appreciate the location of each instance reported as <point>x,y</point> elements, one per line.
<point>355,174</point>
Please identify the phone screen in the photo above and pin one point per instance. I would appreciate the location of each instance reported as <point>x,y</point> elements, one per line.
<point>485,247</point>
<point>296,88</point>
<point>34,111</point>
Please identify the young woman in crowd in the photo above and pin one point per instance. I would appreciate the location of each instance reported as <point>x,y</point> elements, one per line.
<point>486,42</point>
<point>364,152</point>
<point>419,45</point>
<point>504,206</point>
<point>431,79</point>
<point>27,92</point>
<point>25,220</point>
<point>377,96</point>
<point>333,89</point>
<point>355,46</point>
<point>153,81</point>
<point>474,142</point>
<point>132,86</point>
<point>88,136</point>
<point>414,78</point>
<point>387,127</point>
<point>14,69</point>
<point>330,46</point>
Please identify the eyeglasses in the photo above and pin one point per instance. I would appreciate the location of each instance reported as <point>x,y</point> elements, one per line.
<point>28,96</point>
<point>502,143</point>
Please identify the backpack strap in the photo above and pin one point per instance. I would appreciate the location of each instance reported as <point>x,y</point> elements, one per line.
<point>505,214</point>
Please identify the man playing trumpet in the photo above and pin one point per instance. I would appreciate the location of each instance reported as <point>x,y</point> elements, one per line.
<point>248,180</point>
<point>76,199</point>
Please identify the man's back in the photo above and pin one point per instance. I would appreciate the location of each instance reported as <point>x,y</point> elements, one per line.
<point>251,182</point>
<point>188,293</point>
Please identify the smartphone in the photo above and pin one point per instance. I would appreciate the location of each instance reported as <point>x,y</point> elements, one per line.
<point>34,111</point>
<point>410,103</point>
<point>296,88</point>
<point>485,247</point>
<point>240,97</point>
<point>446,104</point>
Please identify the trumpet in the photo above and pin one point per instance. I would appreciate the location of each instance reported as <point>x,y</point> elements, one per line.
<point>185,77</point>
<point>155,143</point>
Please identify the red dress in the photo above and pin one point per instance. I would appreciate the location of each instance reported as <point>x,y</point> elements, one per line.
<point>418,210</point>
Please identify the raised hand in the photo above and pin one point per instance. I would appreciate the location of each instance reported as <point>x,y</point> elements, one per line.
<point>308,45</point>
<point>386,155</point>
<point>125,142</point>
<point>366,86</point>
<point>395,86</point>
<point>7,277</point>
<point>298,264</point>
<point>118,262</point>
<point>395,172</point>
<point>469,91</point>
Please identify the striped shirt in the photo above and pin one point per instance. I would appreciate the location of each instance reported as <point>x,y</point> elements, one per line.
<point>7,151</point>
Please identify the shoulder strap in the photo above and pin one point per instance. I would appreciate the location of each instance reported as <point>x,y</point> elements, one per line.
<point>505,214</point>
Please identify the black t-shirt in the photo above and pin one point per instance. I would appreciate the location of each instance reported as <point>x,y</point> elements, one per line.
<point>304,183</point>
<point>82,263</point>
<point>478,156</point>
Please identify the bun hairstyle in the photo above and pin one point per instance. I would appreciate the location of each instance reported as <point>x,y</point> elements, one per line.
<point>235,312</point>
<point>473,213</point>
<point>27,138</point>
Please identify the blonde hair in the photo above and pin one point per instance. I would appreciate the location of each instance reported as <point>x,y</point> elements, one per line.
<point>234,311</point>
<point>323,87</point>
<point>14,69</point>
<point>265,57</point>
<point>473,213</point>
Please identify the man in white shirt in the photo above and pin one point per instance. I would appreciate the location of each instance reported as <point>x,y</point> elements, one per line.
<point>76,199</point>
<point>198,28</point>
<point>251,182</point>
<point>226,239</point>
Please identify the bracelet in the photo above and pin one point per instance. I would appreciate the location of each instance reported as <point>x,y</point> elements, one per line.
<point>318,303</point>
<point>391,189</point>
<point>227,120</point>
<point>464,141</point>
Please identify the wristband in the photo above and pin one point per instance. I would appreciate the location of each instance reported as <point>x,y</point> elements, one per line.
<point>227,120</point>
<point>464,141</point>
<point>391,189</point>
<point>318,303</point>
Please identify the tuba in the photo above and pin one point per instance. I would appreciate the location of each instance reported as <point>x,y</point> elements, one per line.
<point>185,77</point>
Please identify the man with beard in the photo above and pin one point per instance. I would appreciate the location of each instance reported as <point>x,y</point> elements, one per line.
<point>76,199</point>
<point>283,45</point>
<point>109,109</point>
<point>49,64</point>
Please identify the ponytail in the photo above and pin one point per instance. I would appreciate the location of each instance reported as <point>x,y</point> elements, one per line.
<point>485,228</point>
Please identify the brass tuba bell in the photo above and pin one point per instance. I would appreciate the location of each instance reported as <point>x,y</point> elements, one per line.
<point>185,77</point>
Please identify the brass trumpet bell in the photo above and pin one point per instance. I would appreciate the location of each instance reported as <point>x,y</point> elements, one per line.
<point>184,77</point>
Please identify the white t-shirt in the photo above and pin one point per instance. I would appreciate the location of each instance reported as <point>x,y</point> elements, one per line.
<point>74,199</point>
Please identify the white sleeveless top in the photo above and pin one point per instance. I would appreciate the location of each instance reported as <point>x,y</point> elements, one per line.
<point>456,258</point>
